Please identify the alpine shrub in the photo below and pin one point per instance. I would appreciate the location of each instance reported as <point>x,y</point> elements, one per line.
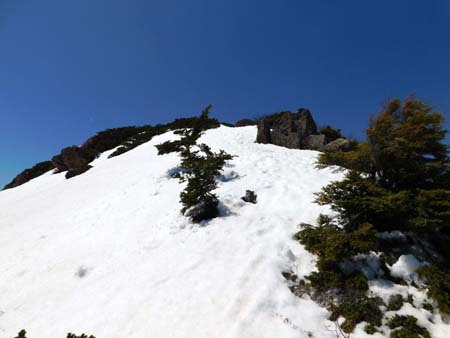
<point>438,283</point>
<point>330,133</point>
<point>398,179</point>
<point>395,303</point>
<point>200,167</point>
<point>406,327</point>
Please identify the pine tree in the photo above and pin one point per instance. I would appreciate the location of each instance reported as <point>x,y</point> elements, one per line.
<point>200,167</point>
<point>399,179</point>
<point>406,144</point>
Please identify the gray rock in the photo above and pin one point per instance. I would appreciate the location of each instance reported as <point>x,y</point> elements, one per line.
<point>72,158</point>
<point>82,271</point>
<point>264,132</point>
<point>78,171</point>
<point>203,211</point>
<point>249,197</point>
<point>341,144</point>
<point>287,129</point>
<point>315,142</point>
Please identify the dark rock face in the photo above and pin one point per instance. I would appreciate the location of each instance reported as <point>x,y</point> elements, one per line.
<point>315,142</point>
<point>249,197</point>
<point>29,174</point>
<point>203,211</point>
<point>78,171</point>
<point>72,158</point>
<point>245,123</point>
<point>341,144</point>
<point>299,131</point>
<point>290,130</point>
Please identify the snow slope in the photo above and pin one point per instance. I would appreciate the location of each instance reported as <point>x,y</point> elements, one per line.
<point>108,253</point>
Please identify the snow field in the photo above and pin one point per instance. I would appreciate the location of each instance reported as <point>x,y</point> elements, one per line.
<point>108,253</point>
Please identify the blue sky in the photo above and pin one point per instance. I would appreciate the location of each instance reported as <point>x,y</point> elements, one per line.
<point>71,68</point>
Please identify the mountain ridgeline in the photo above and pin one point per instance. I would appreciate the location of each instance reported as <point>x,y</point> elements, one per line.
<point>75,160</point>
<point>296,130</point>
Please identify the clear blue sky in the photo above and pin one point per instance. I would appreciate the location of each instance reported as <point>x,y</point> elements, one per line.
<point>71,68</point>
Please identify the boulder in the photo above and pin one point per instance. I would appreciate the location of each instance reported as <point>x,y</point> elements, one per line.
<point>249,197</point>
<point>203,211</point>
<point>341,144</point>
<point>72,158</point>
<point>245,123</point>
<point>287,129</point>
<point>315,142</point>
<point>77,171</point>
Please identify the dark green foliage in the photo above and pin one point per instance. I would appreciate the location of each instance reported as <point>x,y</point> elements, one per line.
<point>326,280</point>
<point>359,200</point>
<point>432,210</point>
<point>29,174</point>
<point>410,299</point>
<point>358,309</point>
<point>136,140</point>
<point>370,329</point>
<point>399,179</point>
<point>404,148</point>
<point>427,306</point>
<point>200,166</point>
<point>395,303</point>
<point>245,123</point>
<point>438,283</point>
<point>406,142</point>
<point>330,133</point>
<point>110,138</point>
<point>22,334</point>
<point>333,244</point>
<point>126,137</point>
<point>148,132</point>
<point>406,327</point>
<point>71,335</point>
<point>358,159</point>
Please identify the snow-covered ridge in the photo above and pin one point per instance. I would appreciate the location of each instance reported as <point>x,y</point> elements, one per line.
<point>108,253</point>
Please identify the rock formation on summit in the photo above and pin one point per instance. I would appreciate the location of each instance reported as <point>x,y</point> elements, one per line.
<point>296,131</point>
<point>291,130</point>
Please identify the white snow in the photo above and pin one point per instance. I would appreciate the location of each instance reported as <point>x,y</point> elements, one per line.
<point>108,253</point>
<point>406,267</point>
<point>392,235</point>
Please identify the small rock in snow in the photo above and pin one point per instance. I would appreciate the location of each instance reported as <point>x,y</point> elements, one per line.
<point>249,197</point>
<point>82,271</point>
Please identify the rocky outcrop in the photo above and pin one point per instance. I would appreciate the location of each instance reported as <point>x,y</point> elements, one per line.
<point>315,142</point>
<point>72,158</point>
<point>77,171</point>
<point>245,123</point>
<point>75,160</point>
<point>29,174</point>
<point>298,131</point>
<point>341,144</point>
<point>290,130</point>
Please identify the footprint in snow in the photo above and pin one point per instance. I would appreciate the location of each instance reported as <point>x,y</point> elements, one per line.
<point>82,271</point>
